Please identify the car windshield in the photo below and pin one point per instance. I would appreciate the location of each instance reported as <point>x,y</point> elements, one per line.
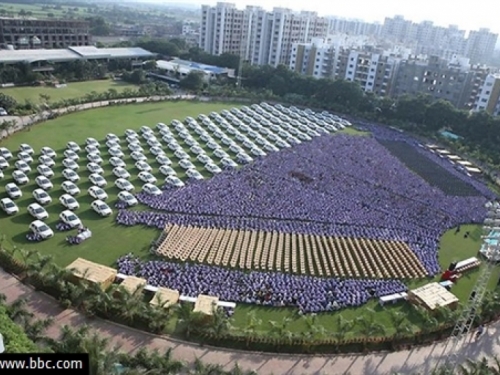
<point>99,178</point>
<point>103,207</point>
<point>9,204</point>
<point>14,189</point>
<point>128,197</point>
<point>72,218</point>
<point>99,191</point>
<point>43,228</point>
<point>38,210</point>
<point>70,200</point>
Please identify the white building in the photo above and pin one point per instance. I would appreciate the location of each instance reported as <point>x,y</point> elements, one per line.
<point>259,36</point>
<point>488,98</point>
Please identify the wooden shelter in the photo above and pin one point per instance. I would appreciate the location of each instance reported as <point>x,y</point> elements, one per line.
<point>165,296</point>
<point>95,273</point>
<point>205,304</point>
<point>432,296</point>
<point>132,283</point>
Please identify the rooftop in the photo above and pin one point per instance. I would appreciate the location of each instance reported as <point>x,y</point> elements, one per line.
<point>70,54</point>
<point>184,66</point>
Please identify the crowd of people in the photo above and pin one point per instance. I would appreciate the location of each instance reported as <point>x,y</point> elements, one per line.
<point>354,187</point>
<point>308,294</point>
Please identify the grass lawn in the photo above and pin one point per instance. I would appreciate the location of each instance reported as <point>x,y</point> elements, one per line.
<point>111,241</point>
<point>11,8</point>
<point>73,90</point>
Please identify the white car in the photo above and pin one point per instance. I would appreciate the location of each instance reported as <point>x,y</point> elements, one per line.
<point>186,164</point>
<point>46,160</point>
<point>117,162</point>
<point>97,193</point>
<point>133,141</point>
<point>24,156</point>
<point>69,217</point>
<point>69,202</point>
<point>147,177</point>
<point>128,198</point>
<point>174,181</point>
<point>181,154</point>
<point>92,142</point>
<point>91,149</point>
<point>230,163</point>
<point>70,164</point>
<point>151,189</point>
<point>94,158</point>
<point>23,147</point>
<point>41,196</point>
<point>4,163</point>
<point>73,146</point>
<point>20,177</point>
<point>143,166</point>
<point>146,130</point>
<point>160,126</point>
<point>163,160</point>
<point>95,168</point>
<point>97,180</point>
<point>70,154</point>
<point>212,168</point>
<point>131,133</point>
<point>8,206</point>
<point>155,150</point>
<point>5,153</point>
<point>49,152</point>
<point>70,175</point>
<point>121,172</point>
<point>101,208</point>
<point>37,211</point>
<point>135,148</point>
<point>194,174</point>
<point>41,229</point>
<point>13,190</point>
<point>112,144</point>
<point>138,156</point>
<point>167,171</point>
<point>153,143</point>
<point>112,137</point>
<point>115,151</point>
<point>45,171</point>
<point>43,182</point>
<point>123,184</point>
<point>70,188</point>
<point>22,166</point>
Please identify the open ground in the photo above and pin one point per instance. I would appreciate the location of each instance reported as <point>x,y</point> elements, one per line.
<point>110,241</point>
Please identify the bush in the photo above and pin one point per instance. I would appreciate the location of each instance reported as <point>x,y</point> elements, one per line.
<point>15,339</point>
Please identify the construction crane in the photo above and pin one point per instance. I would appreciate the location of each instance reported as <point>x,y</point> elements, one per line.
<point>471,308</point>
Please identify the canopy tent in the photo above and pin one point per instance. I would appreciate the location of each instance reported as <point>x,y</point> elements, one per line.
<point>432,296</point>
<point>431,146</point>
<point>132,283</point>
<point>166,297</point>
<point>83,269</point>
<point>205,304</point>
<point>443,152</point>
<point>472,170</point>
<point>464,163</point>
<point>453,157</point>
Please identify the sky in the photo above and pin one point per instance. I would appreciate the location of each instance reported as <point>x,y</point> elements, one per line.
<point>442,12</point>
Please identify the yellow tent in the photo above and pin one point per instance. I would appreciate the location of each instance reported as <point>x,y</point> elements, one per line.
<point>205,304</point>
<point>95,273</point>
<point>165,296</point>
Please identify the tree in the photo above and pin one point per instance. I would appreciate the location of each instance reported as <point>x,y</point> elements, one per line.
<point>343,328</point>
<point>187,320</point>
<point>368,325</point>
<point>193,81</point>
<point>250,330</point>
<point>7,102</point>
<point>400,323</point>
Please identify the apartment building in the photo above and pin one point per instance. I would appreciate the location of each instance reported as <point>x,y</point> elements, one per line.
<point>260,37</point>
<point>36,33</point>
<point>448,80</point>
<point>373,70</point>
<point>480,45</point>
<point>488,98</point>
<point>353,27</point>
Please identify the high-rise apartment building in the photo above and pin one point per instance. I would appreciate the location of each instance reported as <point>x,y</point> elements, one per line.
<point>260,37</point>
<point>480,46</point>
<point>488,98</point>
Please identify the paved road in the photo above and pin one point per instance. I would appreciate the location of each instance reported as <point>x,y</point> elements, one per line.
<point>418,359</point>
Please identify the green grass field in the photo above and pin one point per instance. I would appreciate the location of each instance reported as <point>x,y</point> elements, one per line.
<point>72,91</point>
<point>41,10</point>
<point>111,241</point>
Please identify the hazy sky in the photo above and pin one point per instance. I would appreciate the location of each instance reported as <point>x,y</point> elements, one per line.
<point>468,15</point>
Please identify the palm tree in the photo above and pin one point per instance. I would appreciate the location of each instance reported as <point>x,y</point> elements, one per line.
<point>17,311</point>
<point>250,329</point>
<point>188,321</point>
<point>280,330</point>
<point>219,324</point>
<point>369,327</point>
<point>27,255</point>
<point>343,328</point>
<point>400,323</point>
<point>490,305</point>
<point>36,330</point>
<point>428,322</point>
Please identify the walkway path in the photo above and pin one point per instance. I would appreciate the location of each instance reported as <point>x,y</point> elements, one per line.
<point>418,359</point>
